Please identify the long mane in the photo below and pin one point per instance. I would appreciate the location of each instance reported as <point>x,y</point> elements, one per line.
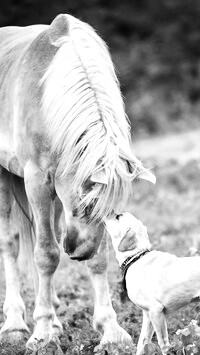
<point>85,118</point>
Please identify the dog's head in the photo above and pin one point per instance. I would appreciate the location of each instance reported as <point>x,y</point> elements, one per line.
<point>128,233</point>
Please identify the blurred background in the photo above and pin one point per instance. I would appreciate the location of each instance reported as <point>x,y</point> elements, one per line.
<point>155,46</point>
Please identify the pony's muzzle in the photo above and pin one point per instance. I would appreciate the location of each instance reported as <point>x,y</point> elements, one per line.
<point>81,246</point>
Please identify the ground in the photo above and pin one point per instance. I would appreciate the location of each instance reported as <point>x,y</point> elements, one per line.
<point>170,210</point>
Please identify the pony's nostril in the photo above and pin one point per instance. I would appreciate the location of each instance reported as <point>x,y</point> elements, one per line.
<point>71,240</point>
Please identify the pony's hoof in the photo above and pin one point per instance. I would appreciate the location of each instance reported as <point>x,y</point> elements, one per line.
<point>115,341</point>
<point>111,348</point>
<point>36,343</point>
<point>14,336</point>
<point>43,347</point>
<point>57,327</point>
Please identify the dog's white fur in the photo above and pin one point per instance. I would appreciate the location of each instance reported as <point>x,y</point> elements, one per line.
<point>158,282</point>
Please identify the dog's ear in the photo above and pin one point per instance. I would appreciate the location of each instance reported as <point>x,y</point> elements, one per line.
<point>128,242</point>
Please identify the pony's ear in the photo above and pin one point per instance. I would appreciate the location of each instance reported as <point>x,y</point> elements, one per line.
<point>99,177</point>
<point>147,175</point>
<point>59,27</point>
<point>128,242</point>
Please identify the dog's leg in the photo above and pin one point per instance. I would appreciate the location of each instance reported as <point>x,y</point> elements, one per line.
<point>146,333</point>
<point>165,332</point>
<point>160,326</point>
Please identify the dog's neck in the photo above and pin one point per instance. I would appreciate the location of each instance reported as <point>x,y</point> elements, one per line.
<point>122,256</point>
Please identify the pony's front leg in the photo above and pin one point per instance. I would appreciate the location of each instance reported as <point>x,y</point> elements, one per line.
<point>46,255</point>
<point>105,319</point>
<point>14,329</point>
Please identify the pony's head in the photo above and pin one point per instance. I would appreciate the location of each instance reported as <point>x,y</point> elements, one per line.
<point>84,228</point>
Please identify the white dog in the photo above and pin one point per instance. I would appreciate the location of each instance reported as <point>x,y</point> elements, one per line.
<point>156,281</point>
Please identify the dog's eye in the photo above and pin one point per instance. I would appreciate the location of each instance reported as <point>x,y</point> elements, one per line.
<point>128,230</point>
<point>118,216</point>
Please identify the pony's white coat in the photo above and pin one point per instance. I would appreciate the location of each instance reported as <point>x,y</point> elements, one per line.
<point>84,111</point>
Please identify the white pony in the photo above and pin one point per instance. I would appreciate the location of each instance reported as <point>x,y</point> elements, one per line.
<point>64,145</point>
